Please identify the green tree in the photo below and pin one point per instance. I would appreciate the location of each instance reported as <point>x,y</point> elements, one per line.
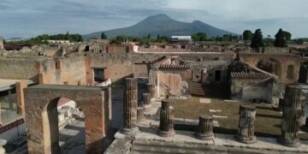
<point>103,36</point>
<point>257,40</point>
<point>161,39</point>
<point>280,39</point>
<point>149,36</point>
<point>199,37</point>
<point>229,37</point>
<point>288,35</point>
<point>299,41</point>
<point>247,35</point>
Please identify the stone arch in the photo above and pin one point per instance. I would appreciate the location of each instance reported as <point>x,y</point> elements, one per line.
<point>50,127</point>
<point>41,98</point>
<point>54,117</point>
<point>87,48</point>
<point>270,65</point>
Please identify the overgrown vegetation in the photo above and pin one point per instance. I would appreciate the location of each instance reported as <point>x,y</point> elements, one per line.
<point>281,38</point>
<point>143,41</point>
<point>103,36</point>
<point>257,40</point>
<point>43,39</point>
<point>300,41</point>
<point>146,40</point>
<point>199,37</point>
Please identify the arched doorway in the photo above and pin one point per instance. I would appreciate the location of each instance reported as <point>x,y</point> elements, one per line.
<point>41,118</point>
<point>63,124</point>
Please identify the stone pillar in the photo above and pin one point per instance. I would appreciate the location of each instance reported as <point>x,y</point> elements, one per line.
<point>205,128</point>
<point>151,90</point>
<point>1,44</point>
<point>140,113</point>
<point>20,96</point>
<point>166,120</point>
<point>246,132</point>
<point>108,105</point>
<point>110,102</point>
<point>130,105</point>
<point>292,116</point>
<point>146,99</point>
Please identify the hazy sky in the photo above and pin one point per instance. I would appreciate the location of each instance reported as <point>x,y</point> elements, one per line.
<point>26,18</point>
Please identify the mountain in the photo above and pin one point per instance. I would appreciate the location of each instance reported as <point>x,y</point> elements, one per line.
<point>162,25</point>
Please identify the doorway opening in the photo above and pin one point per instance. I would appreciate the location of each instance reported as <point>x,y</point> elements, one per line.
<point>63,125</point>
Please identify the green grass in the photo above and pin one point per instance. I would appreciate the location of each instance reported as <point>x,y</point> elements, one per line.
<point>267,121</point>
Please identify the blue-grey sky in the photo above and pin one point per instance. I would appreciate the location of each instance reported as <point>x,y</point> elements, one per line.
<point>26,18</point>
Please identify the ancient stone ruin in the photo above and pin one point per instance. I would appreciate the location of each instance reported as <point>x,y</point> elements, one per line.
<point>202,97</point>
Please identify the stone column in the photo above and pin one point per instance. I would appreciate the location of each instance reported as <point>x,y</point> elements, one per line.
<point>140,113</point>
<point>20,86</point>
<point>205,128</point>
<point>110,102</point>
<point>166,120</point>
<point>246,132</point>
<point>146,99</point>
<point>292,115</point>
<point>151,90</point>
<point>130,105</point>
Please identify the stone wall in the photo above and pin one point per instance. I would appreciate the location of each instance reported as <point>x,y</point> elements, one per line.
<point>116,67</point>
<point>249,89</point>
<point>172,83</point>
<point>18,68</point>
<point>70,71</point>
<point>285,73</point>
<point>141,70</point>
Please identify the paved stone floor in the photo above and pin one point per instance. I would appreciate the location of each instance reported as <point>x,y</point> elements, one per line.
<point>72,138</point>
<point>148,132</point>
<point>223,140</point>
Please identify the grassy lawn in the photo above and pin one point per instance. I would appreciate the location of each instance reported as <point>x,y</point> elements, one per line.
<point>267,120</point>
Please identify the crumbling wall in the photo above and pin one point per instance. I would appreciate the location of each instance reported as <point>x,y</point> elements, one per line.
<point>171,83</point>
<point>116,67</point>
<point>70,71</point>
<point>249,90</point>
<point>141,70</point>
<point>18,68</point>
<point>287,74</point>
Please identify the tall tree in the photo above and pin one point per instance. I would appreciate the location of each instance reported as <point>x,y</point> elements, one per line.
<point>257,40</point>
<point>288,35</point>
<point>247,35</point>
<point>103,36</point>
<point>280,39</point>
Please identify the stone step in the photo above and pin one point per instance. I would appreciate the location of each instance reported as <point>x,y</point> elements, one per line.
<point>173,147</point>
<point>159,147</point>
<point>196,89</point>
